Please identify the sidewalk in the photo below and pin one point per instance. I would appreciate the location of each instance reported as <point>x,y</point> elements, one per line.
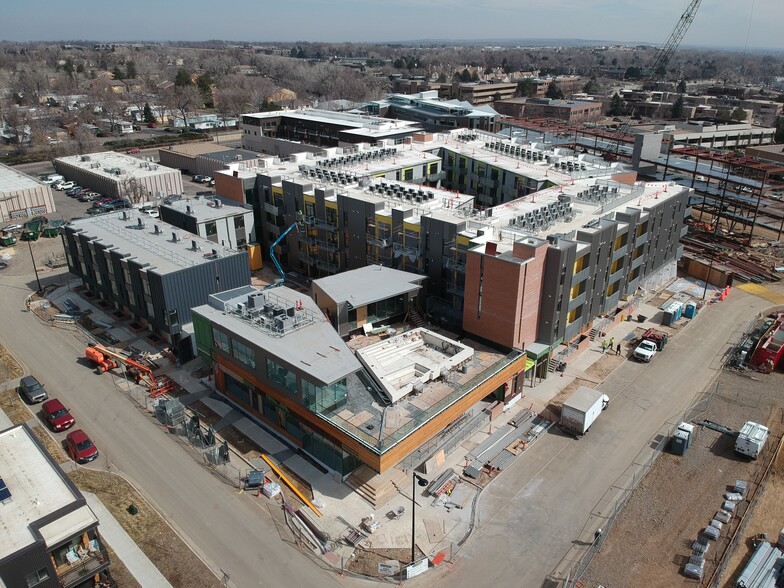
<point>115,536</point>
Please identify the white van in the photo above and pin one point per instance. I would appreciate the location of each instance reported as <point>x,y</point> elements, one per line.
<point>52,178</point>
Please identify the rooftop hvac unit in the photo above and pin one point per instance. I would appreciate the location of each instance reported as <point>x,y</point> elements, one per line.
<point>140,222</point>
<point>175,239</point>
<point>194,245</point>
<point>157,229</point>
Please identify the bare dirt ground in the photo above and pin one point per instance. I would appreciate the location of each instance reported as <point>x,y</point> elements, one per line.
<point>174,559</point>
<point>651,538</point>
<point>9,367</point>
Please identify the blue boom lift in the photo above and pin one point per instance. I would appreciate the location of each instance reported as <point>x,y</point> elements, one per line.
<point>275,259</point>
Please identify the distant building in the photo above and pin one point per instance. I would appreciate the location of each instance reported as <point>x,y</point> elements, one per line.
<point>284,132</point>
<point>432,113</point>
<point>22,197</point>
<point>120,175</point>
<point>50,534</point>
<point>477,93</point>
<point>569,111</point>
<point>206,158</point>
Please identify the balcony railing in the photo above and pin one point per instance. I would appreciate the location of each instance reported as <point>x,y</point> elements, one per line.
<point>77,572</point>
<point>327,246</point>
<point>320,223</point>
<point>407,251</point>
<point>458,266</point>
<point>383,243</point>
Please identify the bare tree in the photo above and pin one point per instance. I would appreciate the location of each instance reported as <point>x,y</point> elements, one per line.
<point>184,99</point>
<point>132,189</point>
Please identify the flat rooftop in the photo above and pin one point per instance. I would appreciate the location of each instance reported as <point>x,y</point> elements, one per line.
<point>37,488</point>
<point>208,149</point>
<point>405,363</point>
<point>144,244</point>
<point>365,285</point>
<point>117,166</point>
<point>204,209</point>
<point>12,180</point>
<point>372,124</point>
<point>305,339</point>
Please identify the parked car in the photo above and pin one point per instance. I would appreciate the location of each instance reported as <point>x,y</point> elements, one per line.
<point>89,196</point>
<point>74,191</point>
<point>79,447</point>
<point>32,389</point>
<point>201,179</point>
<point>65,186</point>
<point>52,179</point>
<point>172,198</point>
<point>211,183</point>
<point>133,150</point>
<point>12,228</point>
<point>150,210</point>
<point>152,125</point>
<point>58,417</point>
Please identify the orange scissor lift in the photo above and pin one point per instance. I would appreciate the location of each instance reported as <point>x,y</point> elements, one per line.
<point>106,359</point>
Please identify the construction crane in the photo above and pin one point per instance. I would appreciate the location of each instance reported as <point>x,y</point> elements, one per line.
<point>659,68</point>
<point>106,359</point>
<point>275,259</point>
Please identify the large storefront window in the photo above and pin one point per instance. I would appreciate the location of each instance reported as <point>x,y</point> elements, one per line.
<point>221,340</point>
<point>385,309</point>
<point>237,390</point>
<point>322,398</point>
<point>328,453</point>
<point>281,376</point>
<point>243,353</point>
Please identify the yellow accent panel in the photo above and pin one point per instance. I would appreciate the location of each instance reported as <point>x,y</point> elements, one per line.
<point>463,240</point>
<point>277,190</point>
<point>412,227</point>
<point>330,204</point>
<point>309,198</point>
<point>763,292</point>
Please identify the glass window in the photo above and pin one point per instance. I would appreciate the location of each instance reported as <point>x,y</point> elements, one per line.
<point>323,398</point>
<point>239,222</point>
<point>281,376</point>
<point>243,353</point>
<point>211,228</point>
<point>37,577</point>
<point>221,340</point>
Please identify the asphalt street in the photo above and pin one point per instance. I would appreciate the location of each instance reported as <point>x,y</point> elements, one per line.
<point>230,532</point>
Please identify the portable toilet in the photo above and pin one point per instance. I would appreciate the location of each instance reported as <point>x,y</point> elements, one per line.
<point>679,443</point>
<point>687,428</point>
<point>690,310</point>
<point>672,312</point>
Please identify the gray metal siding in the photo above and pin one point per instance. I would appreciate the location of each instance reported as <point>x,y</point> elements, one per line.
<point>192,286</point>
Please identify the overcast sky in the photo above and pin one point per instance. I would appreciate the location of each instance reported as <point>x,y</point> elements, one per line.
<point>719,23</point>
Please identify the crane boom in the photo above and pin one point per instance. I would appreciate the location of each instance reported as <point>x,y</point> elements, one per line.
<point>275,259</point>
<point>660,63</point>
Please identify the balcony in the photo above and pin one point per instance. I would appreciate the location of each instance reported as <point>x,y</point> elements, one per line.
<point>320,223</point>
<point>410,252</point>
<point>620,252</point>
<point>327,246</point>
<point>80,569</point>
<point>637,262</point>
<point>383,243</point>
<point>641,240</point>
<point>436,177</point>
<point>510,192</point>
<point>455,290</point>
<point>455,265</point>
<point>487,182</point>
<point>327,267</point>
<point>616,276</point>
<point>274,210</point>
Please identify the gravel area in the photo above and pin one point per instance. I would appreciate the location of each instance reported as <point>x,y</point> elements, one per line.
<point>651,539</point>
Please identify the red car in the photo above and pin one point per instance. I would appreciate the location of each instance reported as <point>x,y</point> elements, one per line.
<point>133,150</point>
<point>58,417</point>
<point>79,447</point>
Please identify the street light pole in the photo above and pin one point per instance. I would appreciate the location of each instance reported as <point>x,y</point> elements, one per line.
<point>30,247</point>
<point>416,479</point>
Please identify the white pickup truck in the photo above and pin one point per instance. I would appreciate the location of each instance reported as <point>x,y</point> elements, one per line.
<point>645,351</point>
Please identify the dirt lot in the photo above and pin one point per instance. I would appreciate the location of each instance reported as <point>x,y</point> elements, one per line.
<point>170,555</point>
<point>651,539</point>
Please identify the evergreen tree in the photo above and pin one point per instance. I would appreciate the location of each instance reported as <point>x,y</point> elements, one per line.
<point>779,136</point>
<point>183,78</point>
<point>526,88</point>
<point>682,87</point>
<point>475,76</point>
<point>117,73</point>
<point>554,92</point>
<point>465,75</point>
<point>616,105</point>
<point>738,114</point>
<point>130,70</point>
<point>592,86</point>
<point>147,114</point>
<point>677,108</point>
<point>205,83</point>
